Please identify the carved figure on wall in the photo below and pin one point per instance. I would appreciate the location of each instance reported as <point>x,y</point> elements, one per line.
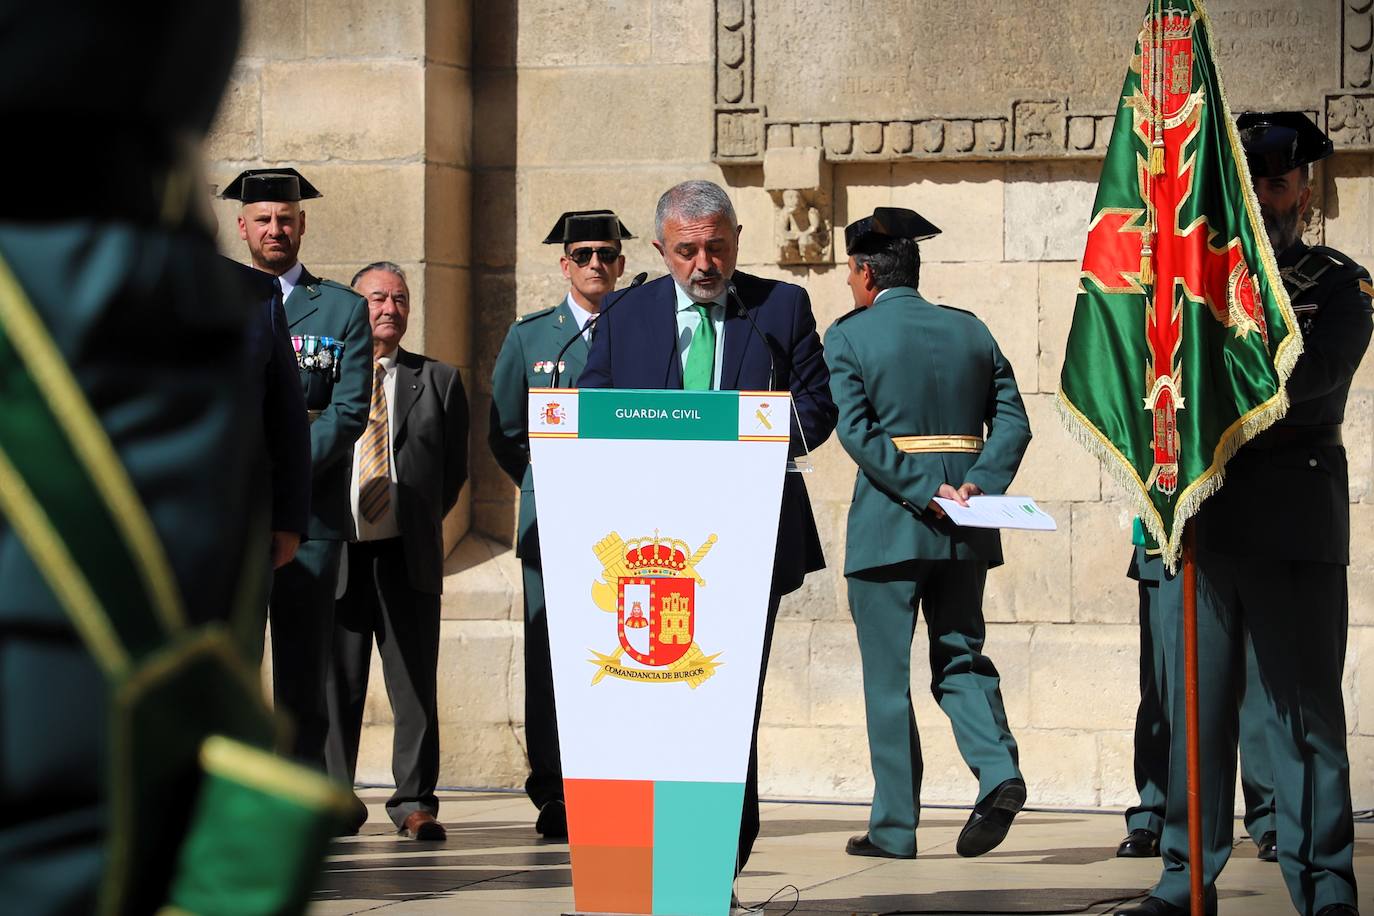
<point>803,233</point>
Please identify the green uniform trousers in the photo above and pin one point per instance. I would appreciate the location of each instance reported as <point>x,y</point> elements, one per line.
<point>302,614</point>
<point>545,782</point>
<point>964,682</point>
<point>1296,615</point>
<point>1152,727</point>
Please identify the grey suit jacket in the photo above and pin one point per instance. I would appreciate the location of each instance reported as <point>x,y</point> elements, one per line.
<point>431,449</point>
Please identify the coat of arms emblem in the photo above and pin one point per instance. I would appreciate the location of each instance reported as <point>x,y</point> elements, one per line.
<point>651,584</point>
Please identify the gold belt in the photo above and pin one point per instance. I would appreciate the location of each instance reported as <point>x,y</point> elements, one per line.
<point>916,444</point>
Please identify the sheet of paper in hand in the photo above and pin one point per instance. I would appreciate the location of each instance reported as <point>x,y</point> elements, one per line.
<point>998,512</point>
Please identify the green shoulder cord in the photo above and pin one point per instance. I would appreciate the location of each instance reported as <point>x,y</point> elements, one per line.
<point>203,819</point>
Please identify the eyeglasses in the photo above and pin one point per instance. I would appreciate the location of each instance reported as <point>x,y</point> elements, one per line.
<point>583,256</point>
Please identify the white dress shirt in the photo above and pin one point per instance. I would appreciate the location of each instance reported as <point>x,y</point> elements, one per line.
<point>384,527</point>
<point>689,319</point>
<point>290,279</point>
<point>581,316</point>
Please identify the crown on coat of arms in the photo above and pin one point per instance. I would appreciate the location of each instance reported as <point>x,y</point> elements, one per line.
<point>655,556</point>
<point>1175,26</point>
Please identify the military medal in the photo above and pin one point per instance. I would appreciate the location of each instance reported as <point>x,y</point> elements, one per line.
<point>296,342</point>
<point>312,344</point>
<point>325,360</point>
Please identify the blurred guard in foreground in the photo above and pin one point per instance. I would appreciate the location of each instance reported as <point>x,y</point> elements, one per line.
<point>132,738</point>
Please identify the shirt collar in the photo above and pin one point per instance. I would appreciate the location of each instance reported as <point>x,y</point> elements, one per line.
<point>290,279</point>
<point>685,302</point>
<point>389,361</point>
<point>580,315</point>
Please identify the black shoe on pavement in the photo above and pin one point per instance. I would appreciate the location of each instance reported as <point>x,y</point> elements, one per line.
<point>1338,909</point>
<point>861,845</point>
<point>991,819</point>
<point>1268,847</point>
<point>1139,844</point>
<point>552,823</point>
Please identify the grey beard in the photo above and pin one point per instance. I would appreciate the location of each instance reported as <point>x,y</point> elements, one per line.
<point>1283,229</point>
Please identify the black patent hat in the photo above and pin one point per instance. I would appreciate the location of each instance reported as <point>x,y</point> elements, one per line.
<point>281,185</point>
<point>873,233</point>
<point>587,226</point>
<point>1277,142</point>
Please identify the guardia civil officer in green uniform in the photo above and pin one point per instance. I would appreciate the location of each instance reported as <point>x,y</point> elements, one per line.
<point>592,263</point>
<point>1272,550</point>
<point>333,343</point>
<point>928,407</point>
<point>127,525</point>
<point>1145,821</point>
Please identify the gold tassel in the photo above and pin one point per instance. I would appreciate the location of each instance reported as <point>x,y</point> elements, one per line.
<point>1157,160</point>
<point>1147,274</point>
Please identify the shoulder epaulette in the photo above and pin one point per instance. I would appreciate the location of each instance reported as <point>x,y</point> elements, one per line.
<point>847,315</point>
<point>539,314</point>
<point>952,308</point>
<point>323,281</point>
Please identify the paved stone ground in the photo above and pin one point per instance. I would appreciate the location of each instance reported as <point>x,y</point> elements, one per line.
<point>1051,863</point>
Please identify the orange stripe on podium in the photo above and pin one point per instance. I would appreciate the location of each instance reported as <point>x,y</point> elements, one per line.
<point>611,840</point>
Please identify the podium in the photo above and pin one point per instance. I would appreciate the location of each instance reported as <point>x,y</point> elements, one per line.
<point>658,520</point>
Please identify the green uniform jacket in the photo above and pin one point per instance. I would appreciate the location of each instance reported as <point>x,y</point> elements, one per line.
<point>324,308</point>
<point>1283,496</point>
<point>907,367</point>
<point>525,362</point>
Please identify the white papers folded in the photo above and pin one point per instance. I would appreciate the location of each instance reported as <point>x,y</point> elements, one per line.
<point>998,512</point>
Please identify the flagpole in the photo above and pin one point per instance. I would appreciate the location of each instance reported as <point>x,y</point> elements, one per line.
<point>1196,866</point>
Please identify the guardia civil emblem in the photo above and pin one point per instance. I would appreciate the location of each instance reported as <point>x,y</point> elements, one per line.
<point>651,584</point>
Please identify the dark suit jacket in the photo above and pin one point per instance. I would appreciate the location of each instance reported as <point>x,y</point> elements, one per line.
<point>635,346</point>
<point>277,388</point>
<point>431,449</point>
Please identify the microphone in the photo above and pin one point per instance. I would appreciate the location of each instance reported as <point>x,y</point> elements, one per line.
<point>733,293</point>
<point>591,323</point>
<point>775,353</point>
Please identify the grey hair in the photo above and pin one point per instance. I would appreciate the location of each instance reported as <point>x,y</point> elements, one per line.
<point>692,200</point>
<point>389,266</point>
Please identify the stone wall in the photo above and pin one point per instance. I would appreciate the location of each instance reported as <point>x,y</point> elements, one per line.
<point>575,111</point>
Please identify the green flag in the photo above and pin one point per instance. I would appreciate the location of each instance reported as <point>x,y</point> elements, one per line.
<point>1183,337</point>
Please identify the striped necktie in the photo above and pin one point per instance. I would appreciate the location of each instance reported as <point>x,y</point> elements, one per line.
<point>374,457</point>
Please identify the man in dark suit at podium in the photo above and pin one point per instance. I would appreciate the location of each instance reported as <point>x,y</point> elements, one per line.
<point>689,330</point>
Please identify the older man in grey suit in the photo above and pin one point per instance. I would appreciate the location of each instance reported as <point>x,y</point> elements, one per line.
<point>408,468</point>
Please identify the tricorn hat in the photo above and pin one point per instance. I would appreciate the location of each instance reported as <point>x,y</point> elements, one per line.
<point>284,185</point>
<point>587,226</point>
<point>1276,142</point>
<point>872,233</point>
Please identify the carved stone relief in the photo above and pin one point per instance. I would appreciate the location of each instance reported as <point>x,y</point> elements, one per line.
<point>801,228</point>
<point>994,79</point>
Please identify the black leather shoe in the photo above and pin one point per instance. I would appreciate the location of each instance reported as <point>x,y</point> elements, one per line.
<point>1268,847</point>
<point>1139,844</point>
<point>357,817</point>
<point>991,819</point>
<point>1338,909</point>
<point>861,845</point>
<point>553,820</point>
<point>1151,906</point>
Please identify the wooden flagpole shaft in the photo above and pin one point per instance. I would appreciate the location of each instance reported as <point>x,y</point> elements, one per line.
<point>1196,866</point>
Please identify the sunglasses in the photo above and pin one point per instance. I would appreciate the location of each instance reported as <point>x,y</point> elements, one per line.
<point>583,256</point>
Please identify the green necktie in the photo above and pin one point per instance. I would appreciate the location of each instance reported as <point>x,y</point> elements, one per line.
<point>701,354</point>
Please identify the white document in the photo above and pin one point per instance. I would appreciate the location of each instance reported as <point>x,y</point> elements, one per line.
<point>998,512</point>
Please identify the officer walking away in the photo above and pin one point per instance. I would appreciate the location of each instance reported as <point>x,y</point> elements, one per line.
<point>1278,577</point>
<point>333,345</point>
<point>928,407</point>
<point>592,263</point>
